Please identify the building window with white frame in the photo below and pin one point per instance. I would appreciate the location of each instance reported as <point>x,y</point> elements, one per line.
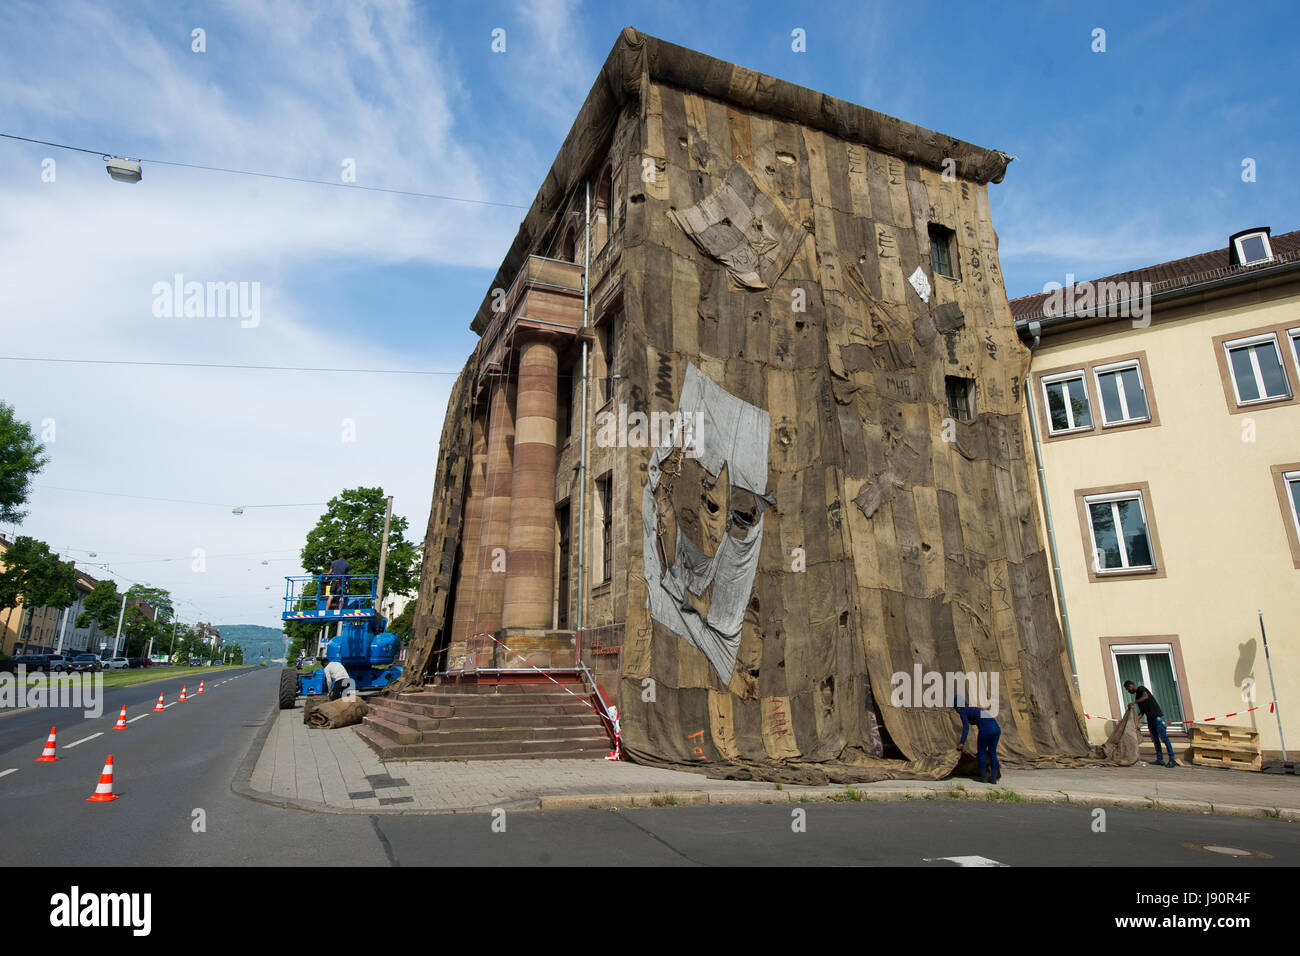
<point>1256,367</point>
<point>1294,336</point>
<point>1121,393</point>
<point>1292,481</point>
<point>1068,408</point>
<point>1121,539</point>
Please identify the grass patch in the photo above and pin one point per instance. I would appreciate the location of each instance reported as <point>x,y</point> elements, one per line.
<point>144,675</point>
<point>1003,795</point>
<point>1275,813</point>
<point>667,800</point>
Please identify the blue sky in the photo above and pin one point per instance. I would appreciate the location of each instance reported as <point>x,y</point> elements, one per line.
<point>1124,158</point>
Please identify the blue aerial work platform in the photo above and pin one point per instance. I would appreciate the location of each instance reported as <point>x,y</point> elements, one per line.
<point>363,646</point>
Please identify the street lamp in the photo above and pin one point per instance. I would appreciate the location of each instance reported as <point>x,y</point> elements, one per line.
<point>123,170</point>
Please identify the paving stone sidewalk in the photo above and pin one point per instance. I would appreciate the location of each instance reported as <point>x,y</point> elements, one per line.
<point>335,771</point>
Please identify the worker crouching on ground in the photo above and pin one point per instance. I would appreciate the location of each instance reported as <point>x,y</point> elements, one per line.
<point>986,741</point>
<point>337,681</point>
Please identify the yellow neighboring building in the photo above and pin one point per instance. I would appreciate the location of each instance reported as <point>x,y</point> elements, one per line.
<point>1166,407</point>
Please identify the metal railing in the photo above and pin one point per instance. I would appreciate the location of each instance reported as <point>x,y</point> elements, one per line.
<point>333,597</point>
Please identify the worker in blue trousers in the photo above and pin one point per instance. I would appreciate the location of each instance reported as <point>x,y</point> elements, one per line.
<point>986,741</point>
<point>1150,707</point>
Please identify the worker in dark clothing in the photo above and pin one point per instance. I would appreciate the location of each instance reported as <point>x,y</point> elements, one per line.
<point>335,583</point>
<point>986,743</point>
<point>1150,708</point>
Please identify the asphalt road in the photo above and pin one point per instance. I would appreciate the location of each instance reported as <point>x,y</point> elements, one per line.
<point>169,765</point>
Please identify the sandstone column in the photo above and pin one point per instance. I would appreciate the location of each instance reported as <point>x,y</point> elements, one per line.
<point>491,579</point>
<point>471,535</point>
<point>530,561</point>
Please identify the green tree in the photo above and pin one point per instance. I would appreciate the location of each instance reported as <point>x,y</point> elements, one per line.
<point>35,575</point>
<point>101,607</point>
<point>159,599</point>
<point>138,628</point>
<point>21,457</point>
<point>401,625</point>
<point>354,522</point>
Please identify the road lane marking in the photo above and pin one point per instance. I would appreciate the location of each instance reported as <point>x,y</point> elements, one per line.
<point>134,719</point>
<point>82,740</point>
<point>172,704</point>
<point>5,773</point>
<point>965,860</point>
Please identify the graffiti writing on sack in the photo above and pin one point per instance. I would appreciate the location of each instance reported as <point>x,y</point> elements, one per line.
<point>780,720</point>
<point>697,749</point>
<point>664,377</point>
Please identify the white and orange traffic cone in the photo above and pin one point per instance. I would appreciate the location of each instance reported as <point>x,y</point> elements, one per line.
<point>121,720</point>
<point>47,755</point>
<point>182,697</point>
<point>104,791</point>
<point>200,687</point>
<point>159,708</point>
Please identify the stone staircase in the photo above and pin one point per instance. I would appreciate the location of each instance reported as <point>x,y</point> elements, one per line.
<point>487,721</point>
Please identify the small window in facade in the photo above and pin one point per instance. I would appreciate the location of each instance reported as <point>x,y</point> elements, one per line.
<point>1257,372</point>
<point>1252,247</point>
<point>961,397</point>
<point>569,247</point>
<point>1294,336</point>
<point>1292,480</point>
<point>605,502</point>
<point>1120,538</point>
<point>609,339</point>
<point>1122,395</point>
<point>1068,408</point>
<point>942,250</point>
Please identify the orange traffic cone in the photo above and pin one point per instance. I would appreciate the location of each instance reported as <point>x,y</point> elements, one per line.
<point>104,792</point>
<point>200,687</point>
<point>182,697</point>
<point>47,755</point>
<point>159,708</point>
<point>121,720</point>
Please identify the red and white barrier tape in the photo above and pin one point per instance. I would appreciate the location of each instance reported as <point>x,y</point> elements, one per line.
<point>615,754</point>
<point>1203,720</point>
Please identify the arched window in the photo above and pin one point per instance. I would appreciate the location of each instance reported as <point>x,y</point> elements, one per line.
<point>569,247</point>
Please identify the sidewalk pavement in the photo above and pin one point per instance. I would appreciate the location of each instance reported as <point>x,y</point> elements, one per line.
<point>335,771</point>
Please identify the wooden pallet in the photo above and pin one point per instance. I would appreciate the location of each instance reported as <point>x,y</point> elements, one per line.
<point>1222,745</point>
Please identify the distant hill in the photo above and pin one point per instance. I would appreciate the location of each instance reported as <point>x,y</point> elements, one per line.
<point>255,640</point>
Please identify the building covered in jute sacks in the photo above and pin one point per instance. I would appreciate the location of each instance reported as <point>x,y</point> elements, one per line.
<point>768,457</point>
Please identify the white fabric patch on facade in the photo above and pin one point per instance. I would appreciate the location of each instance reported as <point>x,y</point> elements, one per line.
<point>920,283</point>
<point>735,435</point>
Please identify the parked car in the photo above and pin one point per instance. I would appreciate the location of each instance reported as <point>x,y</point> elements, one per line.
<point>116,663</point>
<point>86,663</point>
<point>50,663</point>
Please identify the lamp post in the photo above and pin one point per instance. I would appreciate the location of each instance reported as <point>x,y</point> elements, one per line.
<point>120,616</point>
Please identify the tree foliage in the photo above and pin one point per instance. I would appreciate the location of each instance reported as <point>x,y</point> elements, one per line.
<point>21,457</point>
<point>35,575</point>
<point>101,607</point>
<point>354,522</point>
<point>159,599</point>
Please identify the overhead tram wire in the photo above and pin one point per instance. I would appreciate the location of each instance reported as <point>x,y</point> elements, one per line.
<point>261,175</point>
<point>258,368</point>
<point>183,501</point>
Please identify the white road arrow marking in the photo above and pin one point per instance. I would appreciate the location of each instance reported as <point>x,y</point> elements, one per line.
<point>965,860</point>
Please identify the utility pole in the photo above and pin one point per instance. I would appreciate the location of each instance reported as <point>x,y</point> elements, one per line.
<point>383,558</point>
<point>121,614</point>
<point>172,652</point>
